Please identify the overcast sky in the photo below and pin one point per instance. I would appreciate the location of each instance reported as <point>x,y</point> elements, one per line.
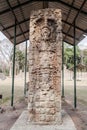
<point>83,44</point>
<point>2,36</point>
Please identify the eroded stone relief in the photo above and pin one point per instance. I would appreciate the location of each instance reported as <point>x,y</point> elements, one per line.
<point>44,100</point>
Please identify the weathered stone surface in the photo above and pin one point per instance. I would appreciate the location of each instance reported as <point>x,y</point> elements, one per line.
<point>44,101</point>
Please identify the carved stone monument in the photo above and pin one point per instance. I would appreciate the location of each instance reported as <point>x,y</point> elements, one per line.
<point>44,99</point>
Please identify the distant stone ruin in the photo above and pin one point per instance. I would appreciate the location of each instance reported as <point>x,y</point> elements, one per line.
<point>44,98</point>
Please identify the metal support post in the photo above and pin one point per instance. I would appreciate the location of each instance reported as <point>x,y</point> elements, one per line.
<point>13,71</point>
<point>62,70</point>
<point>25,68</point>
<point>75,96</point>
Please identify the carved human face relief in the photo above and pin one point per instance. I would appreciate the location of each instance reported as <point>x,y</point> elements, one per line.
<point>47,28</point>
<point>45,33</point>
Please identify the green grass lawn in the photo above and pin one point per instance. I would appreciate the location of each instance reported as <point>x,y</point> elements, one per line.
<point>6,89</point>
<point>81,92</point>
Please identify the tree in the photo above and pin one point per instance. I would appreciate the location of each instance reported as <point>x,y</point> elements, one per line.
<point>19,59</point>
<point>85,56</point>
<point>69,55</point>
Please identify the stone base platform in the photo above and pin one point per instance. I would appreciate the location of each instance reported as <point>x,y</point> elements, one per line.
<point>23,124</point>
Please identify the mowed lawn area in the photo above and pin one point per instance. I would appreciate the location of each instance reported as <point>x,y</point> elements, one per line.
<point>6,88</point>
<point>79,115</point>
<point>81,87</point>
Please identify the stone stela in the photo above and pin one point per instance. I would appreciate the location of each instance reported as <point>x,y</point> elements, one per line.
<point>44,98</point>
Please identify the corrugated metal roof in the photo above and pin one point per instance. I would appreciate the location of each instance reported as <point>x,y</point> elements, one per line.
<point>21,9</point>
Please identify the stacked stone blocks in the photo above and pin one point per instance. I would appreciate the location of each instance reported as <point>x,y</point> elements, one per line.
<point>44,99</point>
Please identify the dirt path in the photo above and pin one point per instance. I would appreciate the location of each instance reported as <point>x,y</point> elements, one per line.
<point>10,115</point>
<point>77,116</point>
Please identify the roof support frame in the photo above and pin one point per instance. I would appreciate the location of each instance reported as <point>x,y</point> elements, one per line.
<point>16,24</point>
<point>70,24</point>
<point>69,12</point>
<point>75,17</point>
<point>5,30</point>
<point>20,34</point>
<point>22,12</point>
<point>75,93</point>
<point>30,1</point>
<point>70,36</point>
<point>25,69</point>
<point>15,7</point>
<point>22,41</point>
<point>73,7</point>
<point>13,70</point>
<point>28,39</point>
<point>45,5</point>
<point>14,16</point>
<point>63,94</point>
<point>68,42</point>
<point>28,31</point>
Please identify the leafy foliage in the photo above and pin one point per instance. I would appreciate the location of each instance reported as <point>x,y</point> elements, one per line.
<point>84,53</point>
<point>19,58</point>
<point>69,55</point>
